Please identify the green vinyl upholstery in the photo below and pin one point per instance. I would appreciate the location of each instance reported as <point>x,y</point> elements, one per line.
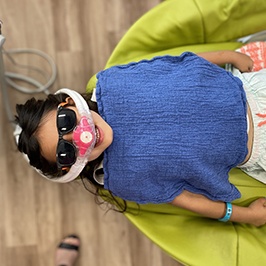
<point>172,27</point>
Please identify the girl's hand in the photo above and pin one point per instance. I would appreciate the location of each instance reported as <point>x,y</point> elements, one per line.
<point>239,60</point>
<point>254,214</point>
<point>242,62</point>
<point>258,212</point>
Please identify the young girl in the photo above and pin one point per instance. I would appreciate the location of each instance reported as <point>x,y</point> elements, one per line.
<point>166,130</point>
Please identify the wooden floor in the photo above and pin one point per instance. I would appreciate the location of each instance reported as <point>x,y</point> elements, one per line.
<point>35,214</point>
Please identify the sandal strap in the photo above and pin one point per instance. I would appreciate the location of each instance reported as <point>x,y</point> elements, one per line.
<point>68,246</point>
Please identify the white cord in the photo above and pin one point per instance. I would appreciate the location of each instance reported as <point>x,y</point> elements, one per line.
<point>39,87</point>
<point>10,78</point>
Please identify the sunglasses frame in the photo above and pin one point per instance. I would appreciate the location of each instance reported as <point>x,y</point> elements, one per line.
<point>61,107</point>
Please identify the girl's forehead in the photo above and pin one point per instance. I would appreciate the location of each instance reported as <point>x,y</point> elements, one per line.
<point>50,117</point>
<point>47,136</point>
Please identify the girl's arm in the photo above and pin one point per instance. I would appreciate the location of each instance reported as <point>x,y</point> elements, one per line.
<point>254,214</point>
<point>239,60</point>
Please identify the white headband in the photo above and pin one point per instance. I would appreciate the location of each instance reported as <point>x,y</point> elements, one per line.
<point>81,162</point>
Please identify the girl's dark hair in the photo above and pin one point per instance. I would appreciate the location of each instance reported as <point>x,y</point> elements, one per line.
<point>29,117</point>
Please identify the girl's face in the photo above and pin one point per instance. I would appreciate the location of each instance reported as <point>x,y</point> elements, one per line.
<point>47,135</point>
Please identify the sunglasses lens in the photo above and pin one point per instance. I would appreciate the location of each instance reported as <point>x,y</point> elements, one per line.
<point>66,120</point>
<point>66,153</point>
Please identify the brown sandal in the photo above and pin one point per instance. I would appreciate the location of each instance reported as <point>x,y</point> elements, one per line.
<point>68,251</point>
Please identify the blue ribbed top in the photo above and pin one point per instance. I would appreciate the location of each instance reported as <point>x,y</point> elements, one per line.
<point>179,124</point>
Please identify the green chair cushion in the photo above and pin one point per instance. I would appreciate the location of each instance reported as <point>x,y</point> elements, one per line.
<point>173,27</point>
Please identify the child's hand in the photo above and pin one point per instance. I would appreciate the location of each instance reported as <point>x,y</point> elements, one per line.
<point>242,62</point>
<point>258,212</point>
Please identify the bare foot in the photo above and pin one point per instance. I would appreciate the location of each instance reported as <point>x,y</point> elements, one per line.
<point>67,251</point>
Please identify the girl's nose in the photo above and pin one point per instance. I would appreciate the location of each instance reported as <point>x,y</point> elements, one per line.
<point>68,137</point>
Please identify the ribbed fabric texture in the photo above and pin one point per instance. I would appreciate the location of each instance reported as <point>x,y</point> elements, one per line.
<point>179,124</point>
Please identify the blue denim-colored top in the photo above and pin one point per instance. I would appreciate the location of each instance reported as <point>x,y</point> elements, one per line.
<point>179,123</point>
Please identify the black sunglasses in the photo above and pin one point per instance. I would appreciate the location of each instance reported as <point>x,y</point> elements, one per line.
<point>66,121</point>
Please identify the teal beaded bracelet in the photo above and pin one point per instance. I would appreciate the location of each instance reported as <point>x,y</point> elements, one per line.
<point>228,212</point>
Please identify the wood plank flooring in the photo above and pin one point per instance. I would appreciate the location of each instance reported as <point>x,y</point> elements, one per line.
<point>35,214</point>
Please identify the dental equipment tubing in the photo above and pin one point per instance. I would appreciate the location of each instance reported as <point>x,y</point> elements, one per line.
<point>8,78</point>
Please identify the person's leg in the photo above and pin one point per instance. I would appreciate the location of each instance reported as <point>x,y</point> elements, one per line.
<point>67,251</point>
